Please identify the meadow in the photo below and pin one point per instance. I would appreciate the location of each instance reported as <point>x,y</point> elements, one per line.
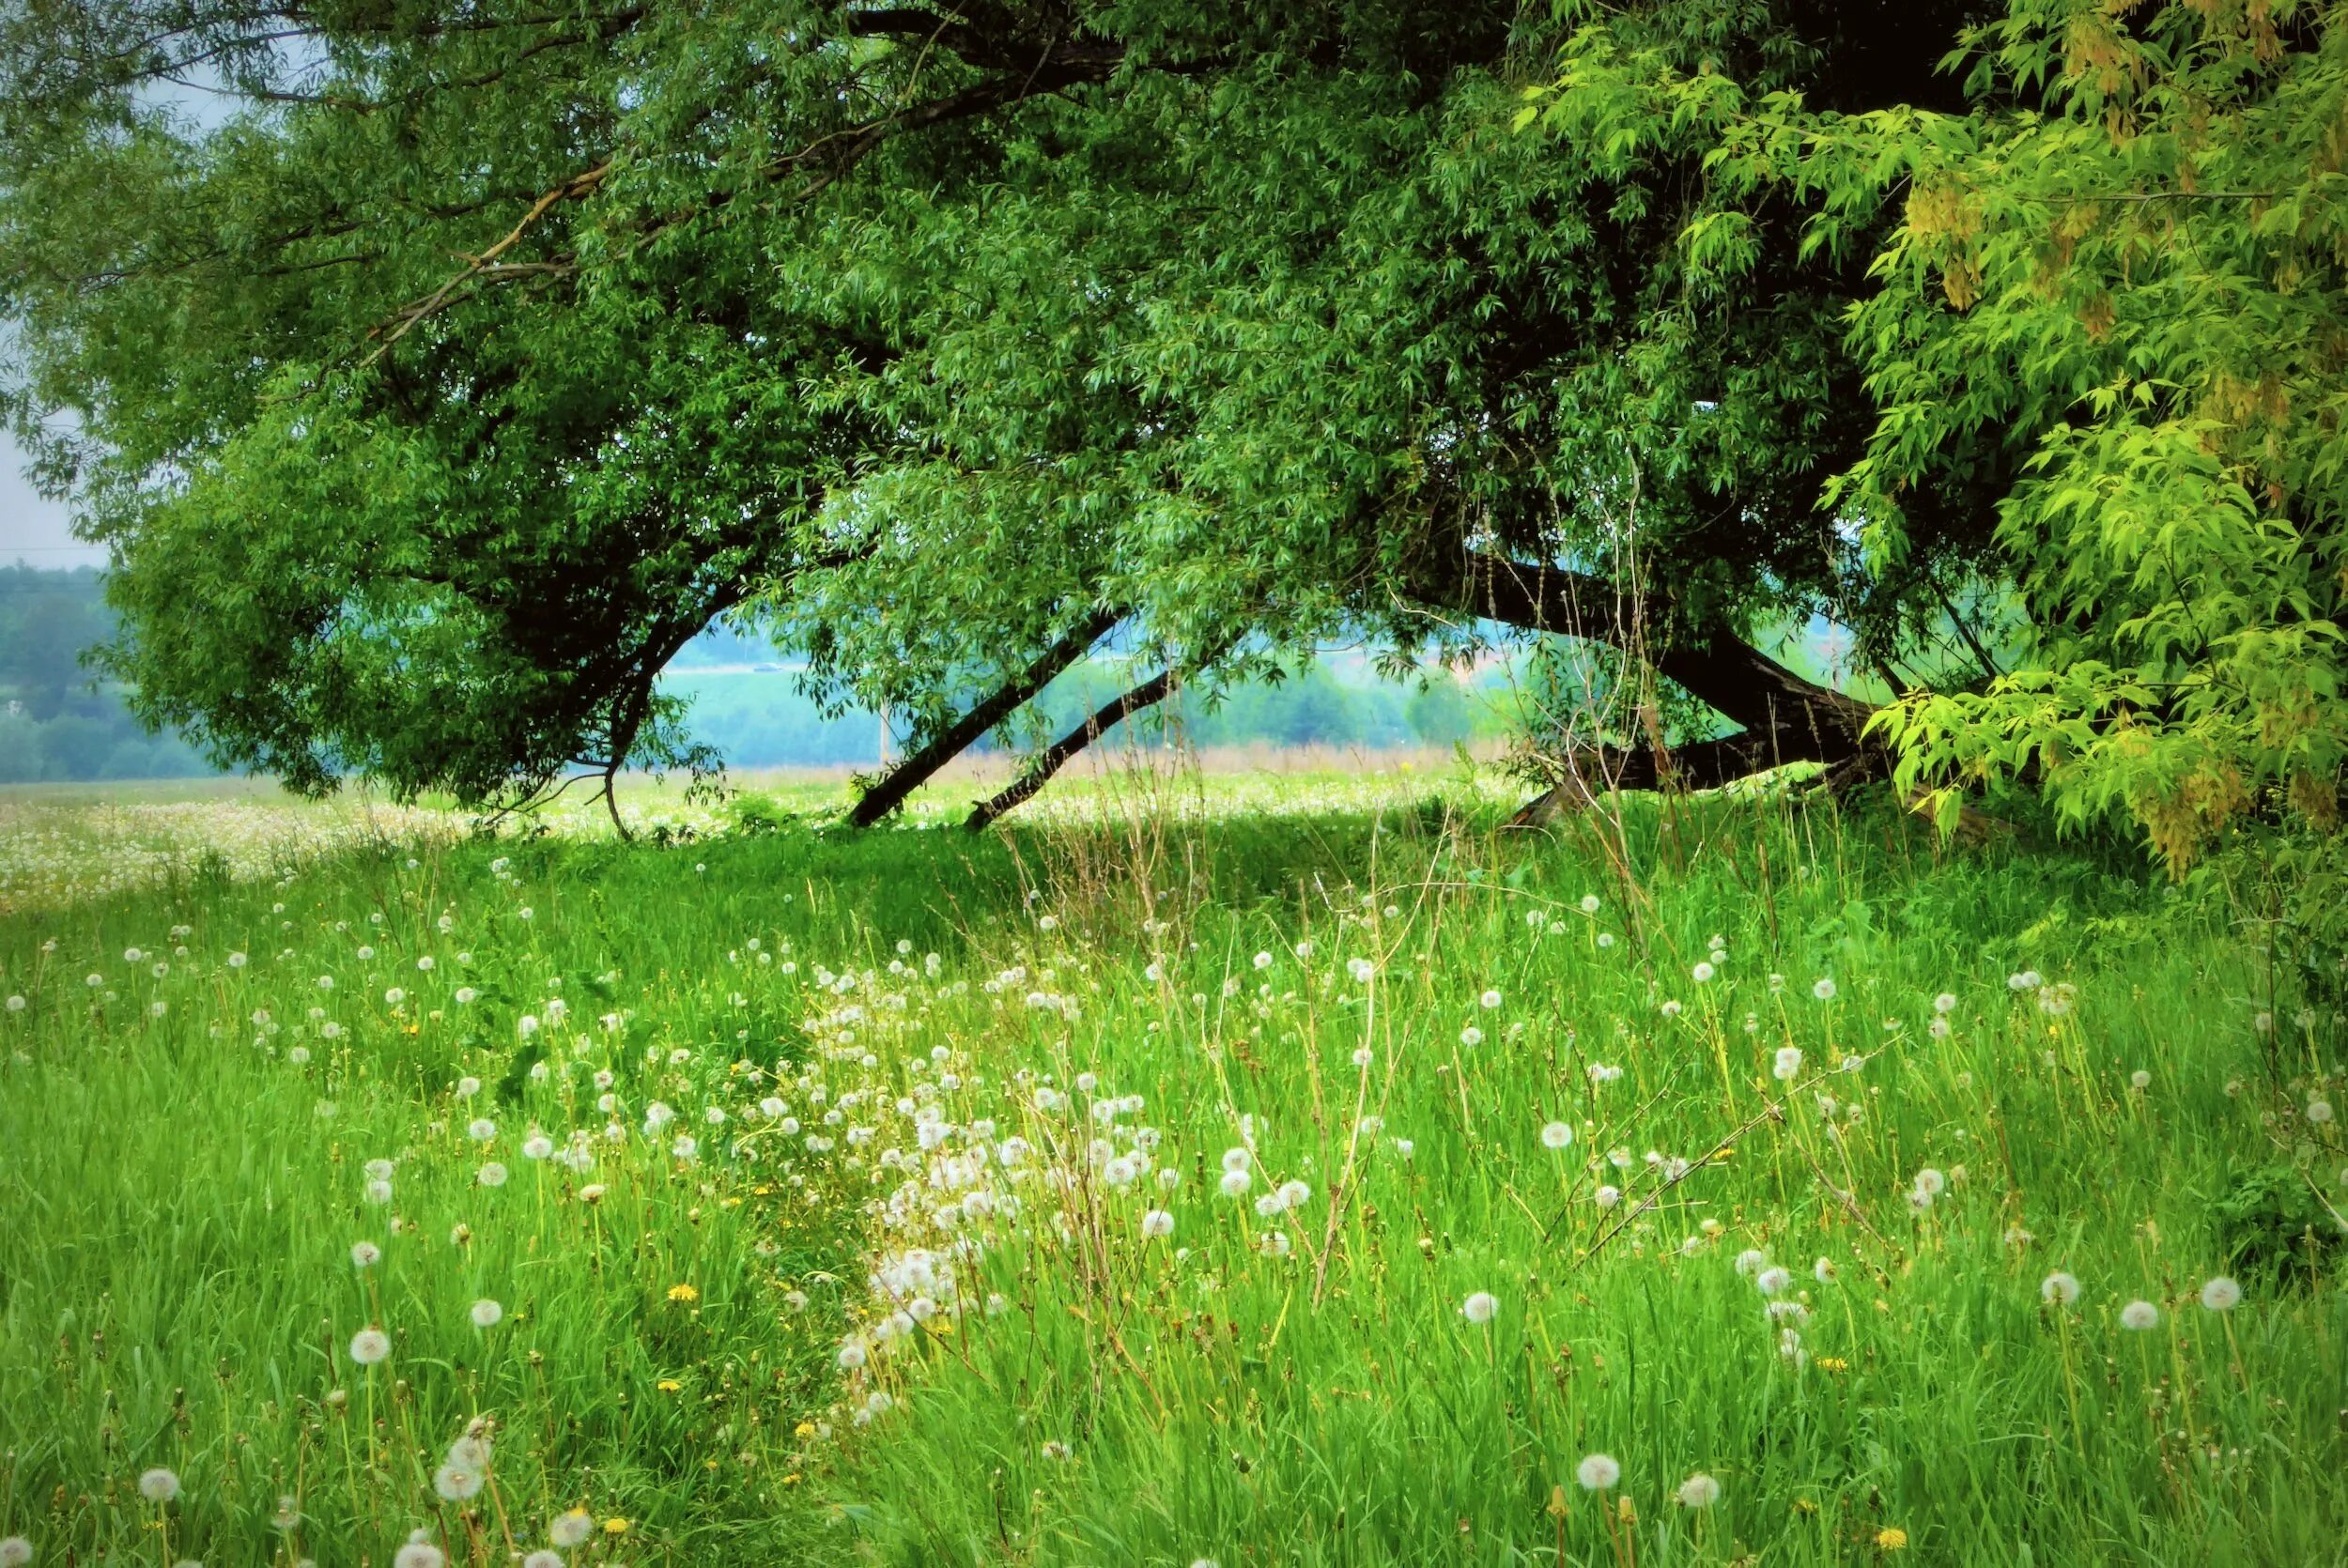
<point>1238,1170</point>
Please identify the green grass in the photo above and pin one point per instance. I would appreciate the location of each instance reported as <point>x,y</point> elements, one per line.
<point>177,1209</point>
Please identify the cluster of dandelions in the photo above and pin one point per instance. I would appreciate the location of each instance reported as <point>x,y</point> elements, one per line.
<point>2220,1293</point>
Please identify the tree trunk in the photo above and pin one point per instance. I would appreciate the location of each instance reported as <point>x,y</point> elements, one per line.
<point>1040,771</point>
<point>888,793</point>
<point>1783,717</point>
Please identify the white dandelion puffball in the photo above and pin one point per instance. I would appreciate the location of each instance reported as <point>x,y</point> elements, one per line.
<point>571,1529</point>
<point>456,1483</point>
<point>1236,1182</point>
<point>365,1255</point>
<point>2319,1111</point>
<point>1263,961</point>
<point>537,1147</point>
<point>1774,1280</point>
<point>1157,1223</point>
<point>1489,999</point>
<point>1932,1181</point>
<point>419,1553</point>
<point>1556,1135</point>
<point>369,1346</point>
<point>487,1313</point>
<point>2136,1317</point>
<point>1823,990</point>
<point>491,1175</point>
<point>15,1552</point>
<point>1471,1036</point>
<point>1480,1307</point>
<point>159,1485</point>
<point>1597,1471</point>
<point>1699,1491</point>
<point>1788,1063</point>
<point>1607,1197</point>
<point>1944,1003</point>
<point>545,1557</point>
<point>1361,969</point>
<point>1752,1261</point>
<point>2059,1288</point>
<point>1589,904</point>
<point>1701,973</point>
<point>481,1130</point>
<point>2221,1295</point>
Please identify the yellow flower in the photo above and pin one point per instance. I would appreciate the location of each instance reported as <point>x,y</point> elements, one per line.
<point>805,1429</point>
<point>1890,1538</point>
<point>668,1385</point>
<point>1832,1363</point>
<point>615,1526</point>
<point>791,1480</point>
<point>684,1292</point>
<point>1804,1505</point>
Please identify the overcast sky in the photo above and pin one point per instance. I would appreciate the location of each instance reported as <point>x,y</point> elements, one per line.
<point>32,529</point>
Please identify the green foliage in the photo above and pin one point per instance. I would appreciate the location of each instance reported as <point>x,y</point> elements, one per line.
<point>2273,1226</point>
<point>2103,301</point>
<point>458,362</point>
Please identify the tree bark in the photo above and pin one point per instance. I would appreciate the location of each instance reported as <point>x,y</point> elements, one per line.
<point>1782,716</point>
<point>1038,772</point>
<point>890,792</point>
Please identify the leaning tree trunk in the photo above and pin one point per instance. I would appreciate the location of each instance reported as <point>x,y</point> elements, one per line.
<point>1782,717</point>
<point>1040,771</point>
<point>890,792</point>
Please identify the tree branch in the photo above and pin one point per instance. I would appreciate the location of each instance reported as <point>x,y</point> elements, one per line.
<point>941,748</point>
<point>1038,772</point>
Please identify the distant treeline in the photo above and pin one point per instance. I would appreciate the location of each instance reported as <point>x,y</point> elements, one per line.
<point>758,718</point>
<point>56,723</point>
<point>59,724</point>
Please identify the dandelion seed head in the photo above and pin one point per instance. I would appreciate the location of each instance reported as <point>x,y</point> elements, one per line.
<point>2221,1293</point>
<point>159,1485</point>
<point>2136,1317</point>
<point>1597,1471</point>
<point>2060,1288</point>
<point>1556,1135</point>
<point>369,1346</point>
<point>487,1313</point>
<point>1480,1307</point>
<point>1699,1491</point>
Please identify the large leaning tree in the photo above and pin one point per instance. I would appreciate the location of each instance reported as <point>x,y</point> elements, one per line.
<point>434,369</point>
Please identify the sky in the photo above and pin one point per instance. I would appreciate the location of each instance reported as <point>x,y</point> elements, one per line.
<point>33,530</point>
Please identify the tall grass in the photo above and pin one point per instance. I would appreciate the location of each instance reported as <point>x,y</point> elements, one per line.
<point>936,1313</point>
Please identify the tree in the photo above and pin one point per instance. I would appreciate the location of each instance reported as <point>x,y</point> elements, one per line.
<point>2111,294</point>
<point>460,362</point>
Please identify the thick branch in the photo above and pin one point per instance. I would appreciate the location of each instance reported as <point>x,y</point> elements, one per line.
<point>826,160</point>
<point>1041,770</point>
<point>909,774</point>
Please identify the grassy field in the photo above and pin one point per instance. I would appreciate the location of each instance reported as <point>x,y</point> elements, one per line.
<point>1293,1170</point>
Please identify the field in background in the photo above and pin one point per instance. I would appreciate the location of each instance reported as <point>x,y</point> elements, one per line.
<point>1225,1168</point>
<point>64,843</point>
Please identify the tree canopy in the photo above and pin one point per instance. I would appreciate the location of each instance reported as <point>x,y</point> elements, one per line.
<point>436,370</point>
